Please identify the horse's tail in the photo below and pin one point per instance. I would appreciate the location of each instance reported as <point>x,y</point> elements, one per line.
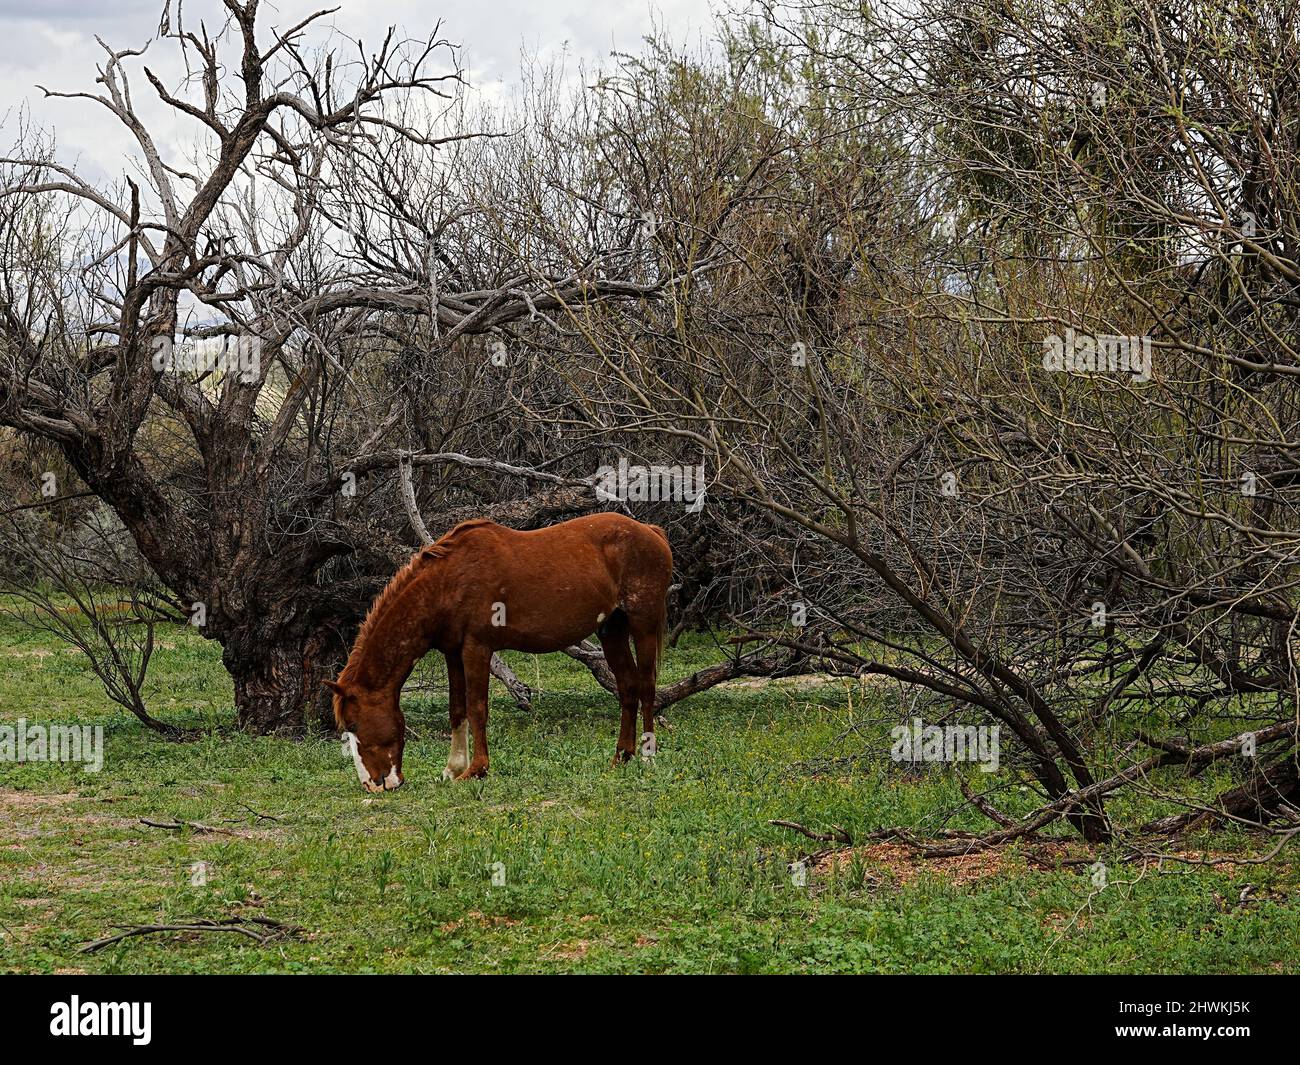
<point>661,634</point>
<point>662,631</point>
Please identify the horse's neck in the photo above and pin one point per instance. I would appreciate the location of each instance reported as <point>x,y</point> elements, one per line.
<point>400,634</point>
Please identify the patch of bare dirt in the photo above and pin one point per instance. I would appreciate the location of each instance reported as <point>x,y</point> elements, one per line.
<point>482,920</point>
<point>1061,923</point>
<point>902,865</point>
<point>28,814</point>
<point>800,683</point>
<point>574,951</point>
<point>11,800</point>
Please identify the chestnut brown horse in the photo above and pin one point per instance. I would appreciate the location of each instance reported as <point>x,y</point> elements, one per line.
<point>484,588</point>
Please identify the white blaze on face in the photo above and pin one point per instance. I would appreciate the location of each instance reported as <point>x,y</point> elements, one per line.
<point>350,747</point>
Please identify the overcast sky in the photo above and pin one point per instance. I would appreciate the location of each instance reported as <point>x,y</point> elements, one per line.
<point>52,43</point>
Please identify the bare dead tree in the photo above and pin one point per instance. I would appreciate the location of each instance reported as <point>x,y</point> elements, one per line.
<point>261,489</point>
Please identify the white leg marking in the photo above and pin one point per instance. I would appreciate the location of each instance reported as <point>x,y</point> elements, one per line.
<point>647,746</point>
<point>458,759</point>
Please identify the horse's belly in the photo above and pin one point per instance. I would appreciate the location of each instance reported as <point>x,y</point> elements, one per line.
<point>542,631</point>
<point>544,645</point>
<point>550,614</point>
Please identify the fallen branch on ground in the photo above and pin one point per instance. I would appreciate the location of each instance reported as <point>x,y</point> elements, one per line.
<point>239,926</point>
<point>520,692</point>
<point>752,665</point>
<point>755,665</point>
<point>1192,758</point>
<point>984,806</point>
<point>1265,796</point>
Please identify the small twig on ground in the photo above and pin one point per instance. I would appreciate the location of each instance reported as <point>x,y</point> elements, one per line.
<point>1138,854</point>
<point>259,815</point>
<point>193,826</point>
<point>836,834</point>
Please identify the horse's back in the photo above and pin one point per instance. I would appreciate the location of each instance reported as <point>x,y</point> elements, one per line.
<point>557,584</point>
<point>632,542</point>
<point>627,548</point>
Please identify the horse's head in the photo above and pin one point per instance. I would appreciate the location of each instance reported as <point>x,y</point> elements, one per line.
<point>374,733</point>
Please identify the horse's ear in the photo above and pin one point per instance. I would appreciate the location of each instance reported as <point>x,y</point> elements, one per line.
<point>337,689</point>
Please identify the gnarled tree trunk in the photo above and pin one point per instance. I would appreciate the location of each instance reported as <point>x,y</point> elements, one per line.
<point>279,665</point>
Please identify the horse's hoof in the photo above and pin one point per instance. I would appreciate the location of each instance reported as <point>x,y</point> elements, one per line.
<point>447,774</point>
<point>473,773</point>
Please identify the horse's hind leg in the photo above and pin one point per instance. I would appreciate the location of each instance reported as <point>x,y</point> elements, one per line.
<point>618,656</point>
<point>647,667</point>
<point>458,756</point>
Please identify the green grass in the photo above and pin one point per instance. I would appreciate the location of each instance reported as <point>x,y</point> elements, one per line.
<point>665,867</point>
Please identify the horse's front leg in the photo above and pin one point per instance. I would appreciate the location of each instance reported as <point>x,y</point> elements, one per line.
<point>476,661</point>
<point>458,757</point>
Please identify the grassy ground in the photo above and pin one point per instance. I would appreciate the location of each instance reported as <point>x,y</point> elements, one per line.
<point>667,867</point>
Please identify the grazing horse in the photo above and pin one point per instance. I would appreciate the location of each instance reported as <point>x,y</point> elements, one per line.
<point>484,588</point>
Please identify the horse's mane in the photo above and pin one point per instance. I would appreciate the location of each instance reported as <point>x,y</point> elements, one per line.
<point>403,577</point>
